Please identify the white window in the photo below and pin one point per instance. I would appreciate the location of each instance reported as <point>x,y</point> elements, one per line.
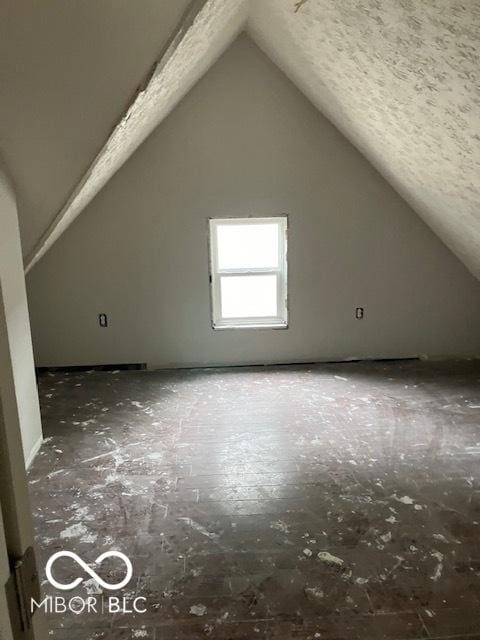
<point>248,262</point>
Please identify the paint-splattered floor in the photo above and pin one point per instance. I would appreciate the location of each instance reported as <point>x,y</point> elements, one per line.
<point>332,501</point>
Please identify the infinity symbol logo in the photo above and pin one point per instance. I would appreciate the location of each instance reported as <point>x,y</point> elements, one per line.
<point>87,569</point>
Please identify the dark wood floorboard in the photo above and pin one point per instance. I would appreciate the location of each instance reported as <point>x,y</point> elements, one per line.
<point>332,502</point>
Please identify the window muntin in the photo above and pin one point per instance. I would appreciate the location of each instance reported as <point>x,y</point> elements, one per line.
<point>249,272</point>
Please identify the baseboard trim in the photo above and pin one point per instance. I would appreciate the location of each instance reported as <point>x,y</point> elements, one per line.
<point>279,363</point>
<point>35,449</point>
<point>136,366</point>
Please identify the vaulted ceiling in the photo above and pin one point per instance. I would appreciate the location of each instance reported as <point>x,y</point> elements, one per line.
<point>68,71</point>
<point>400,79</point>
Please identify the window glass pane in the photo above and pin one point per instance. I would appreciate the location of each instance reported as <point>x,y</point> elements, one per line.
<point>249,296</point>
<point>247,246</point>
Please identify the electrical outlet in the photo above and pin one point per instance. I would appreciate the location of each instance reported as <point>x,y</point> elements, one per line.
<point>359,313</point>
<point>102,320</point>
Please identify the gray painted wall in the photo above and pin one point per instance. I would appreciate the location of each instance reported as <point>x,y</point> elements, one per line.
<point>18,391</point>
<point>246,141</point>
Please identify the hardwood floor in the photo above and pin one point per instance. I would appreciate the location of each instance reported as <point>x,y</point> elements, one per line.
<point>333,501</point>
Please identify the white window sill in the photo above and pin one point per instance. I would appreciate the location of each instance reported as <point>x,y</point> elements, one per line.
<point>276,325</point>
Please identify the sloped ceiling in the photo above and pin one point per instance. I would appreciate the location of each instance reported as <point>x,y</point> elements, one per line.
<point>400,78</point>
<point>200,40</point>
<point>68,71</point>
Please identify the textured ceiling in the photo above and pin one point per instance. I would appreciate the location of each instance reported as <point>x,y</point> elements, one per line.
<point>400,78</point>
<point>190,55</point>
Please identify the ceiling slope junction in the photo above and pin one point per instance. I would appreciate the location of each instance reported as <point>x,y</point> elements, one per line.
<point>400,79</point>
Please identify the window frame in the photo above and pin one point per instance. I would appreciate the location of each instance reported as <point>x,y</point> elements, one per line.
<point>279,321</point>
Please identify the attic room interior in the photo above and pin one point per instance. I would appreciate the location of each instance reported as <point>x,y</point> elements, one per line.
<point>240,319</point>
